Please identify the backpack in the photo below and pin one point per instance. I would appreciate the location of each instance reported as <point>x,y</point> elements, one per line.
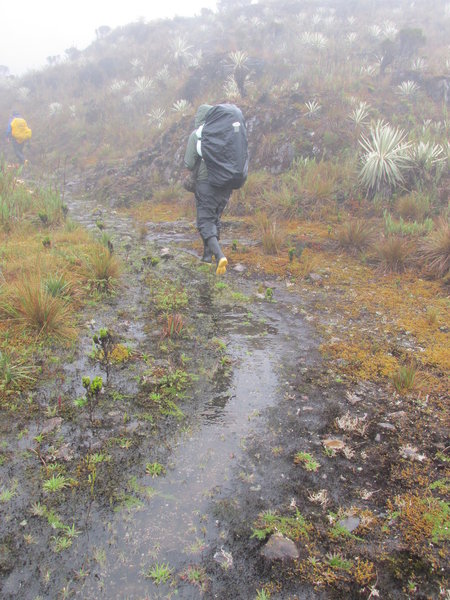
<point>20,130</point>
<point>223,146</point>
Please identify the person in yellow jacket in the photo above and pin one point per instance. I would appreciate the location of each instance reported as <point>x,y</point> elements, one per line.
<point>18,133</point>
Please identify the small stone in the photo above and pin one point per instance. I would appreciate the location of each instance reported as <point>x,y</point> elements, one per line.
<point>333,444</point>
<point>165,253</point>
<point>378,438</point>
<point>280,548</point>
<point>400,414</point>
<point>64,453</point>
<point>315,277</point>
<point>350,523</point>
<point>224,558</point>
<point>388,426</point>
<point>239,268</point>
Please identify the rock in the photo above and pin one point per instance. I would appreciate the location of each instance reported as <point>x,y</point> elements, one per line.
<point>350,523</point>
<point>51,424</point>
<point>281,548</point>
<point>400,414</point>
<point>64,453</point>
<point>412,453</point>
<point>239,268</point>
<point>315,277</point>
<point>333,444</point>
<point>224,558</point>
<point>166,253</point>
<point>388,426</point>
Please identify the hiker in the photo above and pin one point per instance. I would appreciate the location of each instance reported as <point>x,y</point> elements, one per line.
<point>18,133</point>
<point>210,201</point>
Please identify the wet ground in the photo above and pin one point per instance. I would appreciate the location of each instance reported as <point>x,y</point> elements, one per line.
<point>151,520</point>
<point>192,439</point>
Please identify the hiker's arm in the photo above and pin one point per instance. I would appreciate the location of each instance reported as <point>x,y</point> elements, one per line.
<point>190,157</point>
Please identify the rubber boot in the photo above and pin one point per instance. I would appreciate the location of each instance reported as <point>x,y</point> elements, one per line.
<point>221,261</point>
<point>207,254</point>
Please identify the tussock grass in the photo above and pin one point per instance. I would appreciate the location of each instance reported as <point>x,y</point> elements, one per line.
<point>102,269</point>
<point>355,235</point>
<point>272,237</point>
<point>30,306</point>
<point>413,207</point>
<point>434,251</point>
<point>252,195</point>
<point>393,254</point>
<point>14,373</point>
<point>404,379</point>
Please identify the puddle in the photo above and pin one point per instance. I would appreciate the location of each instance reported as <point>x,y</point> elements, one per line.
<point>175,526</point>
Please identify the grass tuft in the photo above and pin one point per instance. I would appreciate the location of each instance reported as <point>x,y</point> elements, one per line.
<point>434,252</point>
<point>34,308</point>
<point>102,269</point>
<point>271,236</point>
<point>393,254</point>
<point>355,236</point>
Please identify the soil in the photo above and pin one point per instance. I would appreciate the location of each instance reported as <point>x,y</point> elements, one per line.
<point>224,410</point>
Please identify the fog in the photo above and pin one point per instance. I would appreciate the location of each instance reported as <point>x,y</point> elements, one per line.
<point>33,31</point>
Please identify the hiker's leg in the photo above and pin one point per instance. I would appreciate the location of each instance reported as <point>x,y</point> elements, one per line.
<point>207,254</point>
<point>206,210</point>
<point>206,197</point>
<point>18,150</point>
<point>222,197</point>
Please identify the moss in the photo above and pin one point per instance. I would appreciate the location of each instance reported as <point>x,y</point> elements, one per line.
<point>120,353</point>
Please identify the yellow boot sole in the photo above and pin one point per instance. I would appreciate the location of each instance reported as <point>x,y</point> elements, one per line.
<point>222,266</point>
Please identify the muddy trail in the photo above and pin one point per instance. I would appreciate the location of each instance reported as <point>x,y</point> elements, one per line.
<point>192,439</point>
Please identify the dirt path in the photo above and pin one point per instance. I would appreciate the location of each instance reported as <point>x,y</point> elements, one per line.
<point>204,447</point>
<point>134,522</point>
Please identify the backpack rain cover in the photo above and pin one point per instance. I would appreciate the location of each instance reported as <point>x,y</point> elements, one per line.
<point>224,146</point>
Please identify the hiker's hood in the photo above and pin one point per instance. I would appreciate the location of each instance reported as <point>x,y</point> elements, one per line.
<point>201,114</point>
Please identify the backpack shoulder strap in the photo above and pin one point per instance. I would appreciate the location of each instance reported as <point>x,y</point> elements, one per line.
<point>198,133</point>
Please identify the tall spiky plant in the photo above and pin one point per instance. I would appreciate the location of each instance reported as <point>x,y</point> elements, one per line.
<point>385,158</point>
<point>239,64</point>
